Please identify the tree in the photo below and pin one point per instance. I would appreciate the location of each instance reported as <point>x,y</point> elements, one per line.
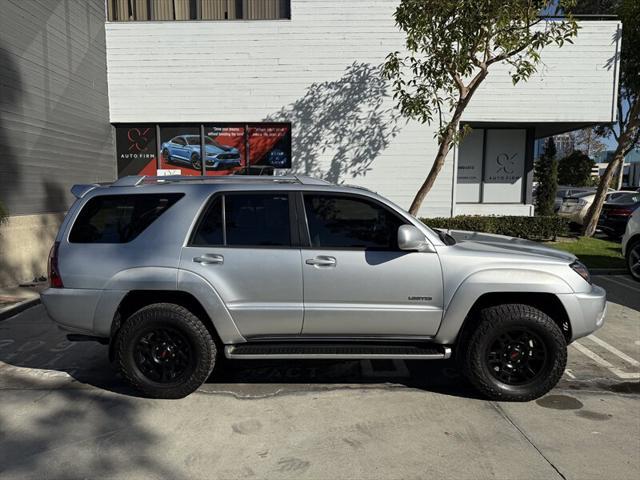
<point>575,169</point>
<point>546,172</point>
<point>626,130</point>
<point>588,140</point>
<point>450,47</point>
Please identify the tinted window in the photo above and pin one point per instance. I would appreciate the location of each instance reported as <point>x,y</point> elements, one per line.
<point>178,141</point>
<point>119,218</point>
<point>257,219</point>
<point>349,222</point>
<point>193,140</point>
<point>210,228</point>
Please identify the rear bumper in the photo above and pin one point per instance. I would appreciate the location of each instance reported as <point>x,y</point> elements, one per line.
<point>72,309</point>
<point>586,311</point>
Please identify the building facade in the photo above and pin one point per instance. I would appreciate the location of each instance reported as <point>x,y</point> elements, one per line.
<point>211,86</point>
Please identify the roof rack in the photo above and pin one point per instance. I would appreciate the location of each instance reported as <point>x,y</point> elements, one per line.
<point>135,180</point>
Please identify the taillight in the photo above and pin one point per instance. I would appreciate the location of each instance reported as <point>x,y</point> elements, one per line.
<point>55,280</point>
<point>620,212</point>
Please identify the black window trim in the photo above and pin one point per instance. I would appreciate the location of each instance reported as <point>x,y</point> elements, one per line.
<point>306,234</point>
<point>294,234</point>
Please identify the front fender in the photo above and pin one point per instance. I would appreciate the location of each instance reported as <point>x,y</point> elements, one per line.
<point>506,280</point>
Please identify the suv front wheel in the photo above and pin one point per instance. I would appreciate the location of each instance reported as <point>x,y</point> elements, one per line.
<point>165,351</point>
<point>515,353</point>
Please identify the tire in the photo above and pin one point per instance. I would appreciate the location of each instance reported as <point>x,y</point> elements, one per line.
<point>164,351</point>
<point>633,260</point>
<point>500,346</point>
<point>167,156</point>
<point>196,164</point>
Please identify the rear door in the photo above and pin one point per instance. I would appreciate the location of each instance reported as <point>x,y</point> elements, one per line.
<point>244,246</point>
<point>356,280</point>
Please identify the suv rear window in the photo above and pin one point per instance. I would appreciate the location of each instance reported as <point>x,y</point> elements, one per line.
<point>119,218</point>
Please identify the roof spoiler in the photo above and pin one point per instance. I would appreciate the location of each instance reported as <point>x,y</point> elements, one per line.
<point>81,190</point>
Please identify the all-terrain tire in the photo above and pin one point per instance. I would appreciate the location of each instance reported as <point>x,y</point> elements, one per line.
<point>202,349</point>
<point>495,321</point>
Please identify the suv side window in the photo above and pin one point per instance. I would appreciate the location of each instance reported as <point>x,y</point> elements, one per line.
<point>342,221</point>
<point>119,218</point>
<point>249,219</point>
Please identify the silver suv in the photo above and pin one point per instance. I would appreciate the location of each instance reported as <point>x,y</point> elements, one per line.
<point>173,272</point>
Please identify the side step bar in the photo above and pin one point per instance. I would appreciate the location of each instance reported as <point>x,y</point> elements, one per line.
<point>303,350</point>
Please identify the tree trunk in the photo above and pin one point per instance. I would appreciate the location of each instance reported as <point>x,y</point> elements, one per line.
<point>438,163</point>
<point>625,140</point>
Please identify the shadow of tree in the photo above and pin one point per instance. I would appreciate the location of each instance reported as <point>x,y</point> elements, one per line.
<point>341,126</point>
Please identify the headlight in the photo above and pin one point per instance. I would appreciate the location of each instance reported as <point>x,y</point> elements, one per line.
<point>582,202</point>
<point>581,270</point>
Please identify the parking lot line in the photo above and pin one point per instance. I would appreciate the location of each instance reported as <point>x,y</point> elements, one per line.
<point>615,351</point>
<point>625,285</point>
<point>603,363</point>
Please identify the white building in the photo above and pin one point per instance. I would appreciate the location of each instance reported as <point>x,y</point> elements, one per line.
<point>317,68</point>
<point>95,89</point>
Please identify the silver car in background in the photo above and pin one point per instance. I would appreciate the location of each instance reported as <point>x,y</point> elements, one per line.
<point>174,272</point>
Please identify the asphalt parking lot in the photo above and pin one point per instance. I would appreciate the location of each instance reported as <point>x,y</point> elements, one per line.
<point>65,414</point>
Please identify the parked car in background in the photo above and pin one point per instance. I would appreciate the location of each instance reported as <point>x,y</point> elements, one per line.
<point>616,213</point>
<point>575,207</point>
<point>631,244</point>
<point>185,149</point>
<point>174,274</point>
<point>564,192</point>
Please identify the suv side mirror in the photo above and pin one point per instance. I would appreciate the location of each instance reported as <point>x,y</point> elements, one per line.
<point>412,239</point>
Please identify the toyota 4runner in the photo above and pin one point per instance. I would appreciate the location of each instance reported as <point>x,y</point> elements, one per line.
<point>174,272</point>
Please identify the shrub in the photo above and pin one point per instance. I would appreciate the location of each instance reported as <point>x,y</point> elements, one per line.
<point>546,173</point>
<point>531,228</point>
<point>575,170</point>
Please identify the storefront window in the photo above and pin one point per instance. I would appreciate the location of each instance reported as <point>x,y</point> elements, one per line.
<point>228,148</point>
<point>180,150</point>
<point>491,166</point>
<point>136,149</point>
<point>225,147</point>
<point>270,145</point>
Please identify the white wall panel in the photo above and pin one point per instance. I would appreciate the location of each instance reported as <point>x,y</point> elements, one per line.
<point>317,70</point>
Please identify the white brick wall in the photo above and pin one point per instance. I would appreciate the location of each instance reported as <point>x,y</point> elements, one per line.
<point>298,69</point>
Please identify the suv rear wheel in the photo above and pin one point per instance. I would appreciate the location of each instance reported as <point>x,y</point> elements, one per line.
<point>165,351</point>
<point>515,353</point>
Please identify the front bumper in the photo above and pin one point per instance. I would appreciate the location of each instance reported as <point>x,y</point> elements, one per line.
<point>586,311</point>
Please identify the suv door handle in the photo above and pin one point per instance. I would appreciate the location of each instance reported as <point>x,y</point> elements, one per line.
<point>321,261</point>
<point>209,259</point>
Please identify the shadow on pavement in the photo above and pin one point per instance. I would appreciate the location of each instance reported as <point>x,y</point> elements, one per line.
<point>33,348</point>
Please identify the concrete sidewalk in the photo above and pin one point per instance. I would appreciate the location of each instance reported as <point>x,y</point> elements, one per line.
<point>14,300</point>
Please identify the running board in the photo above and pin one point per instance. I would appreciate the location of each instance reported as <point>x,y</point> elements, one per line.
<point>354,351</point>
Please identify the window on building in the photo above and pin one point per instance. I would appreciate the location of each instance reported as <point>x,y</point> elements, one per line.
<point>228,148</point>
<point>337,221</point>
<point>171,10</point>
<point>491,166</point>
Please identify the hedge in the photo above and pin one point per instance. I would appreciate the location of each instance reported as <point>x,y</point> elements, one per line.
<point>531,228</point>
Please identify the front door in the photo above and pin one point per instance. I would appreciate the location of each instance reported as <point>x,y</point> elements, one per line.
<point>243,247</point>
<point>356,280</point>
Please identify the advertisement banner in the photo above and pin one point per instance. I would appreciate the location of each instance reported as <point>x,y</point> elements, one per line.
<point>270,145</point>
<point>225,147</point>
<point>180,149</point>
<point>136,149</point>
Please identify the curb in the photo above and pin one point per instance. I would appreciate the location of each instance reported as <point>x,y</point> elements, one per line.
<point>608,271</point>
<point>18,308</point>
